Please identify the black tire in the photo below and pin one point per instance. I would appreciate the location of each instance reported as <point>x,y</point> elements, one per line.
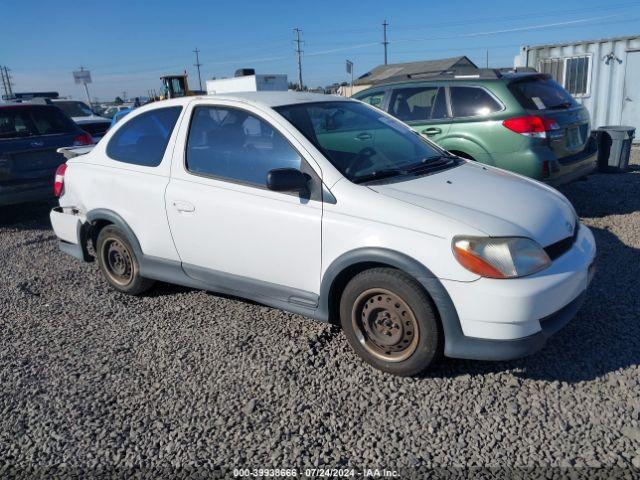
<point>391,322</point>
<point>118,262</point>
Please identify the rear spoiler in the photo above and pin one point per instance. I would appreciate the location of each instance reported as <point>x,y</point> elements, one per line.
<point>71,152</point>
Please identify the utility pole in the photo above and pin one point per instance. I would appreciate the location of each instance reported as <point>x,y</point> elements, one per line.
<point>384,41</point>
<point>198,64</point>
<point>299,52</point>
<point>487,58</point>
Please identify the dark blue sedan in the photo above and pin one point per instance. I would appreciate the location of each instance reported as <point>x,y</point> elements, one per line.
<point>29,137</point>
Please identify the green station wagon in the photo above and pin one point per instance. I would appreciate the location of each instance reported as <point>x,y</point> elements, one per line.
<point>523,122</point>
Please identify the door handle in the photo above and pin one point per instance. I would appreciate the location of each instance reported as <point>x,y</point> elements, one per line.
<point>184,206</point>
<point>431,131</point>
<point>364,136</point>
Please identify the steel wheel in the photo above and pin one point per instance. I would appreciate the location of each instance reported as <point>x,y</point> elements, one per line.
<point>385,325</point>
<point>117,261</point>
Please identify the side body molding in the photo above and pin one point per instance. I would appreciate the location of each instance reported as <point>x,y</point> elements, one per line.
<point>171,271</point>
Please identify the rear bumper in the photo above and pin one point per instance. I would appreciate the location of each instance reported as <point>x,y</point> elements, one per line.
<point>14,194</point>
<point>529,162</point>
<point>70,230</point>
<point>567,170</point>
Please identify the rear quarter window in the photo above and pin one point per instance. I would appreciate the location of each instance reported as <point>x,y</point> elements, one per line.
<point>142,140</point>
<point>472,102</point>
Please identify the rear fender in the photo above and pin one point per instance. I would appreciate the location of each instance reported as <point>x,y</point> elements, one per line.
<point>467,145</point>
<point>103,214</point>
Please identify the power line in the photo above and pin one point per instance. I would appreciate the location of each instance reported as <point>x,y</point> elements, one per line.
<point>384,41</point>
<point>299,53</point>
<point>198,64</point>
<point>527,16</point>
<point>508,30</point>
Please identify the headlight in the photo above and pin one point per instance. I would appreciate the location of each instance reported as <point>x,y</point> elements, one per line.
<point>500,257</point>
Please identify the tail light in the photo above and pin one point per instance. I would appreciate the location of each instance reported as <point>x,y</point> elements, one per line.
<point>58,183</point>
<point>545,169</point>
<point>84,139</point>
<point>531,126</point>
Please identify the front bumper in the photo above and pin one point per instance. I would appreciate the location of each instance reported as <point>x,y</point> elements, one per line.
<point>500,350</point>
<point>506,319</point>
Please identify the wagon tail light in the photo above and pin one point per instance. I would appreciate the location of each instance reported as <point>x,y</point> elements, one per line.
<point>532,126</point>
<point>84,139</point>
<point>58,184</point>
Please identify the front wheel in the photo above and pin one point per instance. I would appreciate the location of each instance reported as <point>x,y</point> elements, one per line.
<point>390,322</point>
<point>118,262</point>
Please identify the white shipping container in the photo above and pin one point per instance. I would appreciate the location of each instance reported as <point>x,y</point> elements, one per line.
<point>603,75</point>
<point>248,83</point>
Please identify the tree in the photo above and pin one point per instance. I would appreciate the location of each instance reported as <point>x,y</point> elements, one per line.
<point>118,101</point>
<point>294,86</point>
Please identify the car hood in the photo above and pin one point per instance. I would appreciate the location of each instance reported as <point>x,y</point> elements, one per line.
<point>493,201</point>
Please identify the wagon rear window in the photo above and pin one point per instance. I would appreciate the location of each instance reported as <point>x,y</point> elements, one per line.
<point>541,93</point>
<point>33,121</point>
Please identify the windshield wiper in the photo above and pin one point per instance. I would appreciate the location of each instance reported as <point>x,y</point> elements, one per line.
<point>561,106</point>
<point>431,163</point>
<point>379,175</point>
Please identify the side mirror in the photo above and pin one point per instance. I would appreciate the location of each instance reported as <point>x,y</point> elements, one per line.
<point>287,180</point>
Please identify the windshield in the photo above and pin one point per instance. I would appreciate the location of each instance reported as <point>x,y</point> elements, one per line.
<point>74,109</point>
<point>541,93</point>
<point>360,141</point>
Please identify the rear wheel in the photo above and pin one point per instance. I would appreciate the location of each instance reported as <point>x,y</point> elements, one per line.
<point>118,262</point>
<point>390,322</point>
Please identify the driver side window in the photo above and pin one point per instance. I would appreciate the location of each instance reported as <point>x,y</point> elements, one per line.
<point>234,145</point>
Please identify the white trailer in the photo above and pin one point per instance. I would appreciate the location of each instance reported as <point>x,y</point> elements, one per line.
<point>603,75</point>
<point>248,83</point>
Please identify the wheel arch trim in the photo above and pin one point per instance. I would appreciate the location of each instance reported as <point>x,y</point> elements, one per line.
<point>117,220</point>
<point>383,256</point>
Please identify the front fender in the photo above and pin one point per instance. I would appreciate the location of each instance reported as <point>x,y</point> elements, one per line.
<point>382,256</point>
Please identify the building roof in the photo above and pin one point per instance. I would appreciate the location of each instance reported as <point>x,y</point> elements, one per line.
<point>580,42</point>
<point>403,71</point>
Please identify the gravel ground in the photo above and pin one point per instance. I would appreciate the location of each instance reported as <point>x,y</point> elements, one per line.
<point>93,380</point>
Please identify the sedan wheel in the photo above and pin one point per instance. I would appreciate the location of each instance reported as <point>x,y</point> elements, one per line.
<point>385,325</point>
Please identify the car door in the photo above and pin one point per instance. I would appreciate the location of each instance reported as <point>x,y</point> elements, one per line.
<point>229,229</point>
<point>423,107</point>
